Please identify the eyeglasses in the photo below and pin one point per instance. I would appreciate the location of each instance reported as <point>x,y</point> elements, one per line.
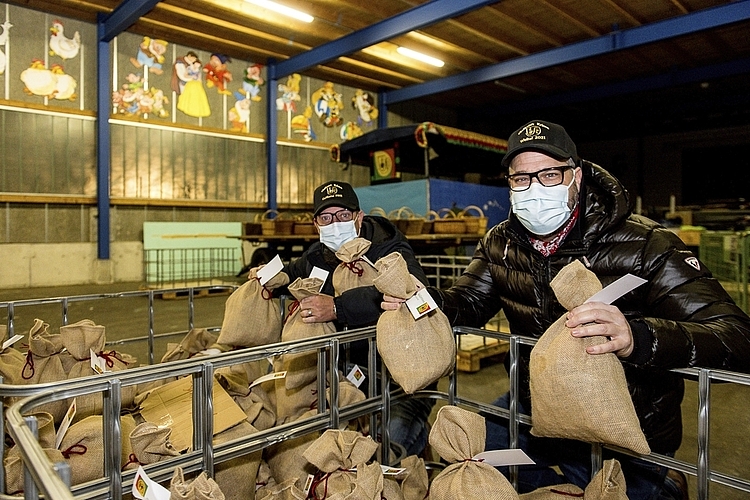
<point>547,177</point>
<point>328,218</point>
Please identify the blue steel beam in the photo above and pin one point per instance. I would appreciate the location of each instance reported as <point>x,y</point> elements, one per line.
<point>272,132</point>
<point>103,147</point>
<point>630,38</point>
<point>124,15</point>
<point>412,19</point>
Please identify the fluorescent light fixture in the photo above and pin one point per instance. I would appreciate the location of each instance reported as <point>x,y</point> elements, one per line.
<point>283,9</point>
<point>420,57</point>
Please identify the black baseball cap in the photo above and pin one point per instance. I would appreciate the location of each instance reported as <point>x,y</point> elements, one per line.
<point>543,136</point>
<point>335,194</point>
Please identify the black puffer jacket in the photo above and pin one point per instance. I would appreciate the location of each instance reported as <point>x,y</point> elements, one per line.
<point>361,306</point>
<point>681,318</point>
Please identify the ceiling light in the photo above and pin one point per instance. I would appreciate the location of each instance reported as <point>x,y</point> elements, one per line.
<point>283,9</point>
<point>420,57</point>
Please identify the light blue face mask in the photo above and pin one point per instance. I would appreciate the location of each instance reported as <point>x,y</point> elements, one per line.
<point>542,210</point>
<point>337,233</point>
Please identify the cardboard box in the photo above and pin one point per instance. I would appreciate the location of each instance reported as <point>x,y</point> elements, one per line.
<point>171,406</point>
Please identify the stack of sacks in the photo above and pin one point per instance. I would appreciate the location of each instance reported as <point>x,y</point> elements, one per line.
<point>297,393</point>
<point>457,436</point>
<point>13,463</point>
<point>252,317</point>
<point>354,271</point>
<point>416,352</point>
<point>576,395</point>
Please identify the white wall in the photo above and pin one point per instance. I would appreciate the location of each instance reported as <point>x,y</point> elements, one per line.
<point>54,264</point>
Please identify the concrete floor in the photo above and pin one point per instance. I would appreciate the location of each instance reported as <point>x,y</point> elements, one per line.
<point>127,320</point>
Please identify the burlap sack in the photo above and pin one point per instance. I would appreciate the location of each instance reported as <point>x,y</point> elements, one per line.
<point>607,484</point>
<point>194,341</point>
<point>286,490</point>
<point>11,361</point>
<point>200,488</point>
<point>574,394</point>
<point>252,317</point>
<point>14,473</point>
<point>411,484</point>
<point>458,435</point>
<point>78,338</point>
<point>150,443</point>
<point>43,364</point>
<point>337,449</point>
<point>301,368</point>
<point>83,447</point>
<point>554,492</point>
<point>237,477</point>
<point>363,483</point>
<point>354,271</point>
<point>416,352</point>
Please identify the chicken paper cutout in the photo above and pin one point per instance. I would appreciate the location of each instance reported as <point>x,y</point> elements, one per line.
<point>61,45</point>
<point>52,83</point>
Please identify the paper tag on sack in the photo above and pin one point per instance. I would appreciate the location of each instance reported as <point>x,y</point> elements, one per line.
<point>391,471</point>
<point>498,458</point>
<point>421,303</point>
<point>270,376</point>
<point>617,289</point>
<point>67,419</point>
<point>356,376</point>
<point>146,489</point>
<point>98,364</point>
<point>308,484</point>
<point>319,273</point>
<point>270,270</point>
<point>11,341</point>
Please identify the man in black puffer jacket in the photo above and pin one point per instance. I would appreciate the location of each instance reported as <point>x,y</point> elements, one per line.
<point>338,219</point>
<point>565,209</point>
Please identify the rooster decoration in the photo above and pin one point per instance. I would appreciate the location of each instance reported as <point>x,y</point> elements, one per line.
<point>60,45</point>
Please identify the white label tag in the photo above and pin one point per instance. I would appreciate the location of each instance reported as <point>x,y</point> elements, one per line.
<point>11,341</point>
<point>98,364</point>
<point>67,419</point>
<point>270,376</point>
<point>356,376</point>
<point>146,489</point>
<point>421,303</point>
<point>270,270</point>
<point>497,458</point>
<point>319,273</point>
<point>617,289</point>
<point>391,471</point>
<point>308,485</point>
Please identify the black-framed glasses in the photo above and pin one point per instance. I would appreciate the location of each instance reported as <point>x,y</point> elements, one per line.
<point>340,216</point>
<point>547,177</point>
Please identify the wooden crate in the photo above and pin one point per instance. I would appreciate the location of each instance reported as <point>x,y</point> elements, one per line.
<point>474,348</point>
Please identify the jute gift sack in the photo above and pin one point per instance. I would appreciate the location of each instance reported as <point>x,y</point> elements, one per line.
<point>574,394</point>
<point>11,360</point>
<point>287,490</point>
<point>354,271</point>
<point>416,352</point>
<point>83,447</point>
<point>14,470</point>
<point>411,484</point>
<point>607,484</point>
<point>200,488</point>
<point>44,365</point>
<point>196,340</point>
<point>457,436</point>
<point>252,317</point>
<point>554,492</point>
<point>237,477</point>
<point>150,443</point>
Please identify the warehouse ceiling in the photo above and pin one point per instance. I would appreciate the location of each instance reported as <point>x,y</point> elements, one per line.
<point>608,68</point>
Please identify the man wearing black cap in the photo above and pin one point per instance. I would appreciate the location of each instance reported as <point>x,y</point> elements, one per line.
<point>338,219</point>
<point>565,209</point>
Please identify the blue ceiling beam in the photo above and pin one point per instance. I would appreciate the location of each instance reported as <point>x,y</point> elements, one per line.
<point>665,80</point>
<point>625,39</point>
<point>124,15</point>
<point>410,20</point>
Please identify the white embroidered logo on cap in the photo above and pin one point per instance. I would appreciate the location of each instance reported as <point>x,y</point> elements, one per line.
<point>693,262</point>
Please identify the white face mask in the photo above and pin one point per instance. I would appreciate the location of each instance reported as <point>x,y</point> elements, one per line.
<point>542,210</point>
<point>336,234</point>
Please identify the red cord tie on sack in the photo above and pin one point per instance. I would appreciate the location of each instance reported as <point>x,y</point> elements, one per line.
<point>265,293</point>
<point>30,364</point>
<point>355,267</point>
<point>76,449</point>
<point>132,459</point>
<point>107,356</point>
<point>292,309</point>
